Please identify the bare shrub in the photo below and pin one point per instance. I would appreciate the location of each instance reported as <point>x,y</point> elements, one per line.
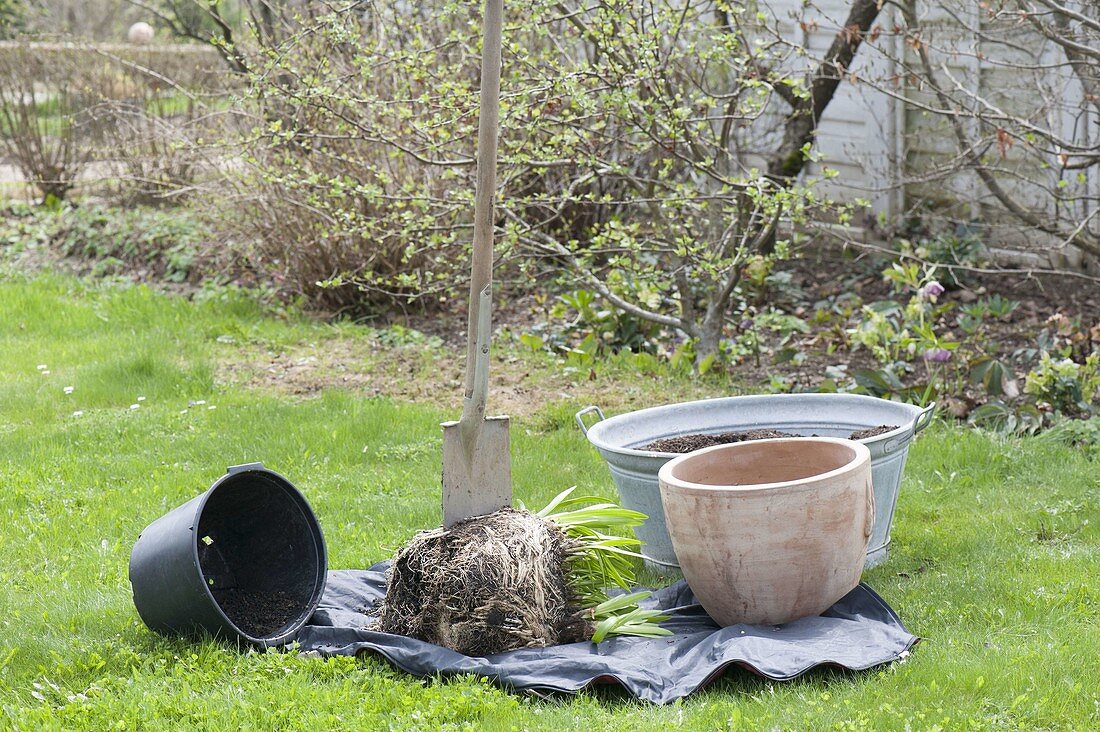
<point>310,221</point>
<point>154,152</point>
<point>43,117</point>
<point>66,105</point>
<point>334,197</point>
<point>634,169</point>
<point>157,134</point>
<point>1003,106</point>
<point>161,105</point>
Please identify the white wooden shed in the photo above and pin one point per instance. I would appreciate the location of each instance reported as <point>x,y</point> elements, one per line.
<point>889,149</point>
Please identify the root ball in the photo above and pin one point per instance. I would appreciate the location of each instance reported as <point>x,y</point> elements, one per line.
<point>486,585</point>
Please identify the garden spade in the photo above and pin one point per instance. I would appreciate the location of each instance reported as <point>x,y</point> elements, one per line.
<point>477,471</point>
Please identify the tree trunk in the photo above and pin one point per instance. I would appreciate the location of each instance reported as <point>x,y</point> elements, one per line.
<point>788,160</point>
<point>707,345</point>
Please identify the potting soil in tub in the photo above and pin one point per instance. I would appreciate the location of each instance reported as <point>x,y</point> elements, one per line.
<point>691,443</point>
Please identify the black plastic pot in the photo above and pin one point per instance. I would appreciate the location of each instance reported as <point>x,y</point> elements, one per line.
<point>246,559</point>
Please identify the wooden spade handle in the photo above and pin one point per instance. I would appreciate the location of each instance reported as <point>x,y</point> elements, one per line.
<point>481,271</point>
<point>473,406</point>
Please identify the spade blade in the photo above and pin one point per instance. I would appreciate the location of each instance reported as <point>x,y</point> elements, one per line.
<point>477,469</point>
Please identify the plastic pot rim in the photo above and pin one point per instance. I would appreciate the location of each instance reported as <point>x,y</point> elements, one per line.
<point>311,518</point>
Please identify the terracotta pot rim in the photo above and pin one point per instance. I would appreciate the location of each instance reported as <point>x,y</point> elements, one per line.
<point>861,456</point>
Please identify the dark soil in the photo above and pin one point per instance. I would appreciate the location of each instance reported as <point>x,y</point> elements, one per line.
<point>486,585</point>
<point>259,614</point>
<point>872,432</point>
<point>690,443</point>
<point>825,275</point>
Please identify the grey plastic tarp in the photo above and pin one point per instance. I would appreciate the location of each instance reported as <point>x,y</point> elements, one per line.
<point>858,632</point>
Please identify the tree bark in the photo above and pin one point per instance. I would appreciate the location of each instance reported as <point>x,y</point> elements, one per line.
<point>788,160</point>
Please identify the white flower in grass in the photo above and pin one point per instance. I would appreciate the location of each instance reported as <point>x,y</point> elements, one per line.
<point>135,406</point>
<point>42,367</point>
<point>141,398</point>
<point>78,413</point>
<point>69,390</point>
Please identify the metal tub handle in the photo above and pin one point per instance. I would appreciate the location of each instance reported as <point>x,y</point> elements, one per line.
<point>924,418</point>
<point>920,422</point>
<point>579,416</point>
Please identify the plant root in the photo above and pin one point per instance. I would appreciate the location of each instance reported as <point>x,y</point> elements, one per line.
<point>488,584</point>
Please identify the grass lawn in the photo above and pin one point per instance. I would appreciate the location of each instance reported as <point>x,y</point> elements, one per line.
<point>995,560</point>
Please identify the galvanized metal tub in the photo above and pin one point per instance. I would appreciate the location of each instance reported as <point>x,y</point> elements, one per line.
<point>620,440</point>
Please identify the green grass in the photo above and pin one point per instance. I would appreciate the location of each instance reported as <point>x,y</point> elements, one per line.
<point>995,557</point>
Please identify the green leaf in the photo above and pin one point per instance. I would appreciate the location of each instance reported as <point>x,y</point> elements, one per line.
<point>619,602</point>
<point>878,382</point>
<point>532,341</point>
<point>557,501</point>
<point>991,373</point>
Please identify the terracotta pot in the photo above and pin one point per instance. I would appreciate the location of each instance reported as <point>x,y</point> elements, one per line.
<point>772,530</point>
<point>622,441</point>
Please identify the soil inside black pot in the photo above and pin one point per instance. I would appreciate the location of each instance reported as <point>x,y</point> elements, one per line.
<point>259,556</point>
<point>259,614</point>
<point>691,443</point>
<point>486,585</point>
